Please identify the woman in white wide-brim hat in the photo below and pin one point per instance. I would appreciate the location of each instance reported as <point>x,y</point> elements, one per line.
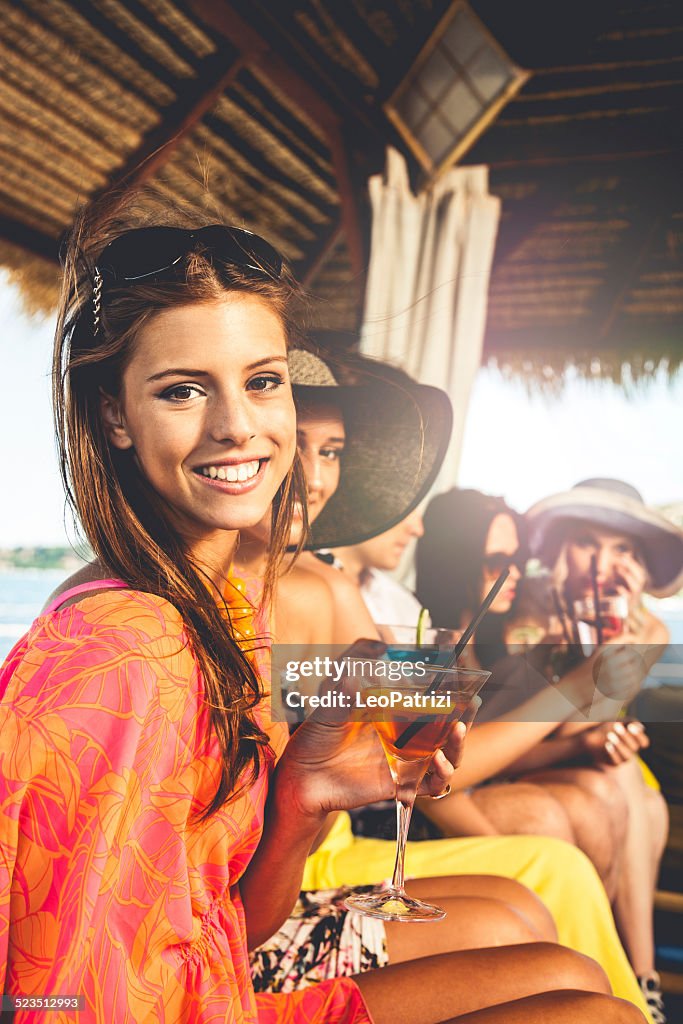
<point>637,549</point>
<point>602,527</point>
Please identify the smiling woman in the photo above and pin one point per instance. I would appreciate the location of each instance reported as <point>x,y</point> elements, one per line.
<point>214,441</point>
<point>146,836</point>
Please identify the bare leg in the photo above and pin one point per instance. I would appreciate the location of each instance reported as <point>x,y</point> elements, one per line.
<point>494,887</point>
<point>438,988</point>
<point>640,826</point>
<point>471,923</point>
<point>644,845</point>
<point>560,1008</point>
<point>587,796</point>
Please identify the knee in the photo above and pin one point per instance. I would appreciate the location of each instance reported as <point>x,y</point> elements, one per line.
<point>573,970</point>
<point>592,1006</point>
<point>544,815</point>
<point>509,926</point>
<point>527,904</point>
<point>658,812</point>
<point>605,787</point>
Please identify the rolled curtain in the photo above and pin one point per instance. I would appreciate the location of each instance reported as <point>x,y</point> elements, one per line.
<point>426,296</point>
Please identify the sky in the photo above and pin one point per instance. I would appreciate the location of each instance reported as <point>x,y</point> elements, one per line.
<point>520,446</point>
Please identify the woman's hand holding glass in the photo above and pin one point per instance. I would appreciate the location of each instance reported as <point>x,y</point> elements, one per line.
<point>336,762</point>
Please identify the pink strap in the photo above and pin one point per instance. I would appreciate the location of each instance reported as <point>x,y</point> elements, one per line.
<point>82,588</point>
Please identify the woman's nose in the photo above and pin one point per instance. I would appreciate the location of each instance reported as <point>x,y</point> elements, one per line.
<point>604,564</point>
<point>312,472</point>
<point>232,421</point>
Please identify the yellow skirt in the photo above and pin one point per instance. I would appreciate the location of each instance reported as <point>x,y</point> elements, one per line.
<point>561,875</point>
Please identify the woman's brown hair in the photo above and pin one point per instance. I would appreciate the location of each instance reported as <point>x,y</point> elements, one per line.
<point>122,517</point>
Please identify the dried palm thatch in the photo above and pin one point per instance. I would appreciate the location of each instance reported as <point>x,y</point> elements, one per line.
<point>272,117</point>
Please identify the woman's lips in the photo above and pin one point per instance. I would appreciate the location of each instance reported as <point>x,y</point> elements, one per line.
<point>235,487</point>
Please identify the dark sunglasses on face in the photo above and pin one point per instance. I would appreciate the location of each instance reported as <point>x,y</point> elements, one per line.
<point>145,253</point>
<point>497,561</point>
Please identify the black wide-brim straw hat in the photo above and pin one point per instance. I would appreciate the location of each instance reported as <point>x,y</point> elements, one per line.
<point>619,508</point>
<point>397,433</point>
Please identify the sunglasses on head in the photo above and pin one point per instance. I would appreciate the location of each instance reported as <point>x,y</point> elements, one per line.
<point>498,561</point>
<point>145,253</point>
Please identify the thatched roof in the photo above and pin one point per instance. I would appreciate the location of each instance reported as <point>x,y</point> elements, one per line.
<point>279,109</point>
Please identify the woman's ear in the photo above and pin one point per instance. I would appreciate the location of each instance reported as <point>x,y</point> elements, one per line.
<point>114,424</point>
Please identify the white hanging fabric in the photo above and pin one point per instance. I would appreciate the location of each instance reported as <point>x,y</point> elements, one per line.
<point>427,288</point>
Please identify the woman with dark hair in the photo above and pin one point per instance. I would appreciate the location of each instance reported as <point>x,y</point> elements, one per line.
<point>469,538</point>
<point>147,836</point>
<point>565,778</point>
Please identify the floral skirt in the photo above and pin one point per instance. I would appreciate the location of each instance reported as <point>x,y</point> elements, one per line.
<point>320,940</point>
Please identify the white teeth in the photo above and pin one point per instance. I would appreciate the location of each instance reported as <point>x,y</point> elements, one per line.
<point>232,474</point>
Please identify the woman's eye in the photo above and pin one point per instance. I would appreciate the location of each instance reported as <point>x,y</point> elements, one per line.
<point>331,454</point>
<point>585,542</point>
<point>265,382</point>
<point>182,392</point>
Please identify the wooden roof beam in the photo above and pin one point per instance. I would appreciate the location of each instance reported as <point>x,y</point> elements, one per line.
<point>180,118</point>
<point>222,17</point>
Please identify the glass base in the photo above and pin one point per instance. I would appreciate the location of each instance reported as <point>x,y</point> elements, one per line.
<point>393,905</point>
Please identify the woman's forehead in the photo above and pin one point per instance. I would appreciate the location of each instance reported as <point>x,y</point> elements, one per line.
<point>600,534</point>
<point>502,534</point>
<point>320,416</point>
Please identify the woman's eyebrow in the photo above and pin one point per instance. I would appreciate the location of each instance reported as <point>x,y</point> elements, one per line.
<point>267,359</point>
<point>328,440</point>
<point>184,372</point>
<point>180,372</point>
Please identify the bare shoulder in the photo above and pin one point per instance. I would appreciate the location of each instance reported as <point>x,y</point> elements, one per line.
<point>89,573</point>
<point>352,620</point>
<point>339,584</point>
<point>306,584</point>
<point>656,632</point>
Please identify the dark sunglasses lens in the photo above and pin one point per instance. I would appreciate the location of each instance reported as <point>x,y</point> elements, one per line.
<point>241,248</point>
<point>142,253</point>
<point>498,561</point>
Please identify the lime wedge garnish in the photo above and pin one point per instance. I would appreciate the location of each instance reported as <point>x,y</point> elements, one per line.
<point>421,626</point>
<point>394,907</point>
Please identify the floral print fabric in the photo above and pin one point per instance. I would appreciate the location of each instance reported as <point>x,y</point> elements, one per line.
<point>321,939</point>
<point>109,888</point>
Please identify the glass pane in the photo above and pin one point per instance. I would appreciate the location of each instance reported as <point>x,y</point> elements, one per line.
<point>463,37</point>
<point>412,107</point>
<point>436,138</point>
<point>460,107</point>
<point>436,74</point>
<point>489,73</point>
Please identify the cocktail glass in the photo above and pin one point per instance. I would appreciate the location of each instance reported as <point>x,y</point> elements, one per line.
<point>411,729</point>
<point>613,610</point>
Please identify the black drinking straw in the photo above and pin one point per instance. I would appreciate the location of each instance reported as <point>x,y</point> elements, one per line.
<point>561,614</point>
<point>414,727</point>
<point>596,596</point>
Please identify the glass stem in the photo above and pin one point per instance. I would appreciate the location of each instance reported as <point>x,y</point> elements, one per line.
<point>404,810</point>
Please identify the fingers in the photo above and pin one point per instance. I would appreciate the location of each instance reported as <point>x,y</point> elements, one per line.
<point>633,575</point>
<point>454,747</point>
<point>637,729</point>
<point>439,775</point>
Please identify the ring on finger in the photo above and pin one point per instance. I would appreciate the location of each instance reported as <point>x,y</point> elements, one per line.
<point>440,796</point>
